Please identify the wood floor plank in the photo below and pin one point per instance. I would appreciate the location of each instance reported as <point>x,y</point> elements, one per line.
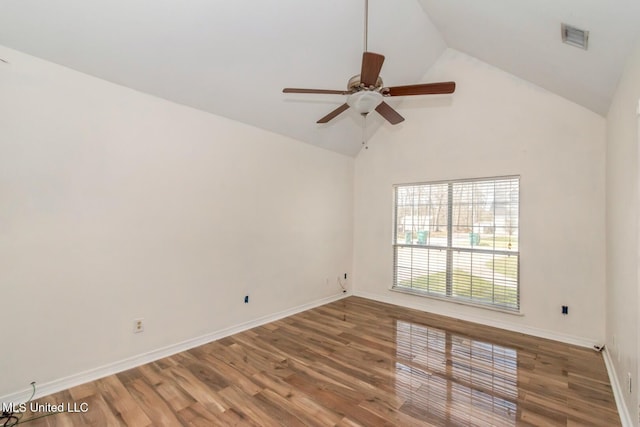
<point>198,415</point>
<point>248,408</point>
<point>100,413</point>
<point>152,404</point>
<point>198,389</point>
<point>355,362</point>
<point>119,399</point>
<point>341,400</point>
<point>174,395</point>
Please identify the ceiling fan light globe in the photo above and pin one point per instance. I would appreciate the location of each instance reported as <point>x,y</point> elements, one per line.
<point>365,101</point>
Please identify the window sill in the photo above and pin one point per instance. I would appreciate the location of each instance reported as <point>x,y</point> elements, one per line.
<point>456,301</point>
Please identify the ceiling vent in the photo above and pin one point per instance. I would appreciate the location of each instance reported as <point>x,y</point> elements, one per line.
<point>575,36</point>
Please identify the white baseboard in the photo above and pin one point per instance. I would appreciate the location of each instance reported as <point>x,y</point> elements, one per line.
<point>140,359</point>
<point>625,416</point>
<point>541,333</point>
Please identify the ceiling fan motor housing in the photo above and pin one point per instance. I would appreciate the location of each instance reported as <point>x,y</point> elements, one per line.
<point>356,85</point>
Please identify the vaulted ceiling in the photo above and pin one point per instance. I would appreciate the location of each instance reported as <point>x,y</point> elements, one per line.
<point>232,58</point>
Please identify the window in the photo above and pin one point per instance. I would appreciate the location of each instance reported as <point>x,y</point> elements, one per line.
<point>459,240</point>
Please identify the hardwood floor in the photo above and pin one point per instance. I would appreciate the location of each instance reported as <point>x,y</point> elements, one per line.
<point>355,362</point>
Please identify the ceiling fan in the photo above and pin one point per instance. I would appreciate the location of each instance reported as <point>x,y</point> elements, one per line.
<point>367,92</point>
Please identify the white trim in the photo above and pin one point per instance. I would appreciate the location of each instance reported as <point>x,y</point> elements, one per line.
<point>623,411</point>
<point>541,333</point>
<point>457,301</point>
<point>65,383</point>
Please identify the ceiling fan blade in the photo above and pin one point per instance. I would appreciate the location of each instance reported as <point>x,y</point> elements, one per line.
<point>334,113</point>
<point>420,89</point>
<point>389,113</point>
<point>326,91</point>
<point>371,66</point>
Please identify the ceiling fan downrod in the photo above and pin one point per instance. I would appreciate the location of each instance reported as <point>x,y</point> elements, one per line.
<point>366,23</point>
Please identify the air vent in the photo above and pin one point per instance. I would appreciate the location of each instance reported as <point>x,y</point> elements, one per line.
<point>575,36</point>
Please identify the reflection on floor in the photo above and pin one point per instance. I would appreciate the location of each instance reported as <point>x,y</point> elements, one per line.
<point>355,362</point>
<point>437,371</point>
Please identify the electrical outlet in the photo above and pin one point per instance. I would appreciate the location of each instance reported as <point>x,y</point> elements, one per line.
<point>138,325</point>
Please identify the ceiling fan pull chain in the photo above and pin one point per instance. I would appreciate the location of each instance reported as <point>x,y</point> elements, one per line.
<point>364,132</point>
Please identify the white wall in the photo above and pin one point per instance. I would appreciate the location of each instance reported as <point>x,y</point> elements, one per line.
<point>622,229</point>
<point>116,205</point>
<point>496,124</point>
